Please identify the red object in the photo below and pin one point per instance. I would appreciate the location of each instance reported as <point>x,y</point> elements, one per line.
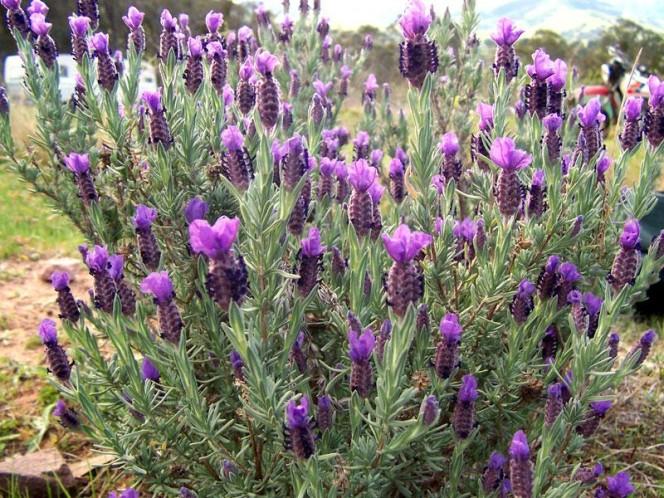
<point>595,90</point>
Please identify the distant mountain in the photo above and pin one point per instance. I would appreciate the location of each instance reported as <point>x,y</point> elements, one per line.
<point>574,19</point>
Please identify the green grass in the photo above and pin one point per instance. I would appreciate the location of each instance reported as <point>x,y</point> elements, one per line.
<point>28,225</point>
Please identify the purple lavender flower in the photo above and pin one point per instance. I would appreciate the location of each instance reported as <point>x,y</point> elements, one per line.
<point>168,40</point>
<point>267,90</point>
<point>90,9</point>
<point>405,283</point>
<point>160,133</point>
<point>107,73</point>
<point>44,46</point>
<point>56,357</point>
<point>556,88</point>
<point>68,417</point>
<point>104,287</point>
<point>522,304</point>
<point>262,16</point>
<point>568,275</point>
<point>451,166</point>
<point>536,92</point>
<point>554,404</point>
<point>4,103</point>
<point>590,138</point>
<point>618,486</point>
<point>310,255</point>
<point>549,343</point>
<point>124,292</point>
<point>325,413</point>
<point>613,342</point>
<point>626,261</point>
<point>383,337</point>
<point>592,305</point>
<point>494,472</point>
<point>66,302</point>
<point>632,131</point>
<point>508,187</point>
<point>430,410</point>
<point>552,141</point>
<point>376,192</point>
<point>147,242</point>
<point>642,349</point>
<point>597,412</point>
<point>161,288</point>
<point>196,209</point>
<point>297,354</point>
<point>79,26</point>
<point>447,351</point>
<point>588,475</point>
<point>218,68</point>
<point>360,207</point>
<point>418,55</point>
<point>505,37</point>
<point>227,279</point>
<point>236,162</point>
<point>521,472</point>
<point>79,164</point>
<point>245,90</point>
<point>134,21</point>
<point>38,7</point>
<point>193,73</point>
<point>16,18</point>
<point>397,185</point>
<point>149,371</point>
<point>237,364</point>
<point>654,128</point>
<point>360,349</point>
<point>339,263</point>
<point>422,323</point>
<point>464,232</point>
<point>298,429</point>
<point>464,411</point>
<point>246,42</point>
<point>537,195</point>
<point>603,165</point>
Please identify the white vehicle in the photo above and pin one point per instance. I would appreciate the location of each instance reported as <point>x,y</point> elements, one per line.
<point>14,74</point>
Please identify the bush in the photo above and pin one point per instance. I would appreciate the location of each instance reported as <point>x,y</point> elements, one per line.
<point>314,336</point>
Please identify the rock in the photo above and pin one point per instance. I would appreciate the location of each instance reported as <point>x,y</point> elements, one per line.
<point>43,473</point>
<point>81,470</point>
<point>70,265</point>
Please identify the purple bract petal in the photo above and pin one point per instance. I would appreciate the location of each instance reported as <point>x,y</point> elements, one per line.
<point>159,285</point>
<point>404,245</point>
<point>216,240</point>
<point>311,245</point>
<point>505,154</point>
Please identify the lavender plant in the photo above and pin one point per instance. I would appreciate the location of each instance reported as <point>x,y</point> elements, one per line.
<point>298,333</point>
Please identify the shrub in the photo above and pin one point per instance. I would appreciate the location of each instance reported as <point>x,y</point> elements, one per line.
<point>314,335</point>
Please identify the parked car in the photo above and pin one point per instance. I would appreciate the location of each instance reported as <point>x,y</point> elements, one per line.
<point>14,74</point>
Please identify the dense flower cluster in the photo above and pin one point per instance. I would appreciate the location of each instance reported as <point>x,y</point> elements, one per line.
<point>298,332</point>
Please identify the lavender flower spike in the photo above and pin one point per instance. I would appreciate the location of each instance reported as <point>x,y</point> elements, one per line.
<point>16,18</point>
<point>267,90</point>
<point>310,255</point>
<point>107,73</point>
<point>404,280</point>
<point>417,54</point>
<point>194,73</point>
<point>510,159</point>
<point>654,128</point>
<point>536,93</point>
<point>168,40</point>
<point>568,275</point>
<point>325,413</point>
<point>79,26</point>
<point>494,472</point>
<point>44,46</point>
<point>556,88</point>
<point>124,292</point>
<point>90,9</point>
<point>522,304</point>
<point>227,279</point>
<point>505,37</point>
<point>79,164</point>
<point>161,288</point>
<point>68,417</point>
<point>147,242</point>
<point>397,184</point>
<point>590,138</point>
<point>447,351</point>
<point>104,287</point>
<point>149,371</point>
<point>626,261</point>
<point>598,410</point>
<point>632,131</point>
<point>521,472</point>
<point>554,404</point>
<point>464,411</point>
<point>56,357</point>
<point>360,348</point>
<point>236,163</point>
<point>134,21</point>
<point>552,141</point>
<point>430,410</point>
<point>160,133</point>
<point>641,351</point>
<point>619,486</point>
<point>298,429</point>
<point>66,302</point>
<point>537,195</point>
<point>246,90</point>
<point>196,209</point>
<point>360,207</point>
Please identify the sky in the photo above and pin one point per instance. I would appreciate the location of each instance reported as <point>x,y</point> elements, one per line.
<point>381,13</point>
